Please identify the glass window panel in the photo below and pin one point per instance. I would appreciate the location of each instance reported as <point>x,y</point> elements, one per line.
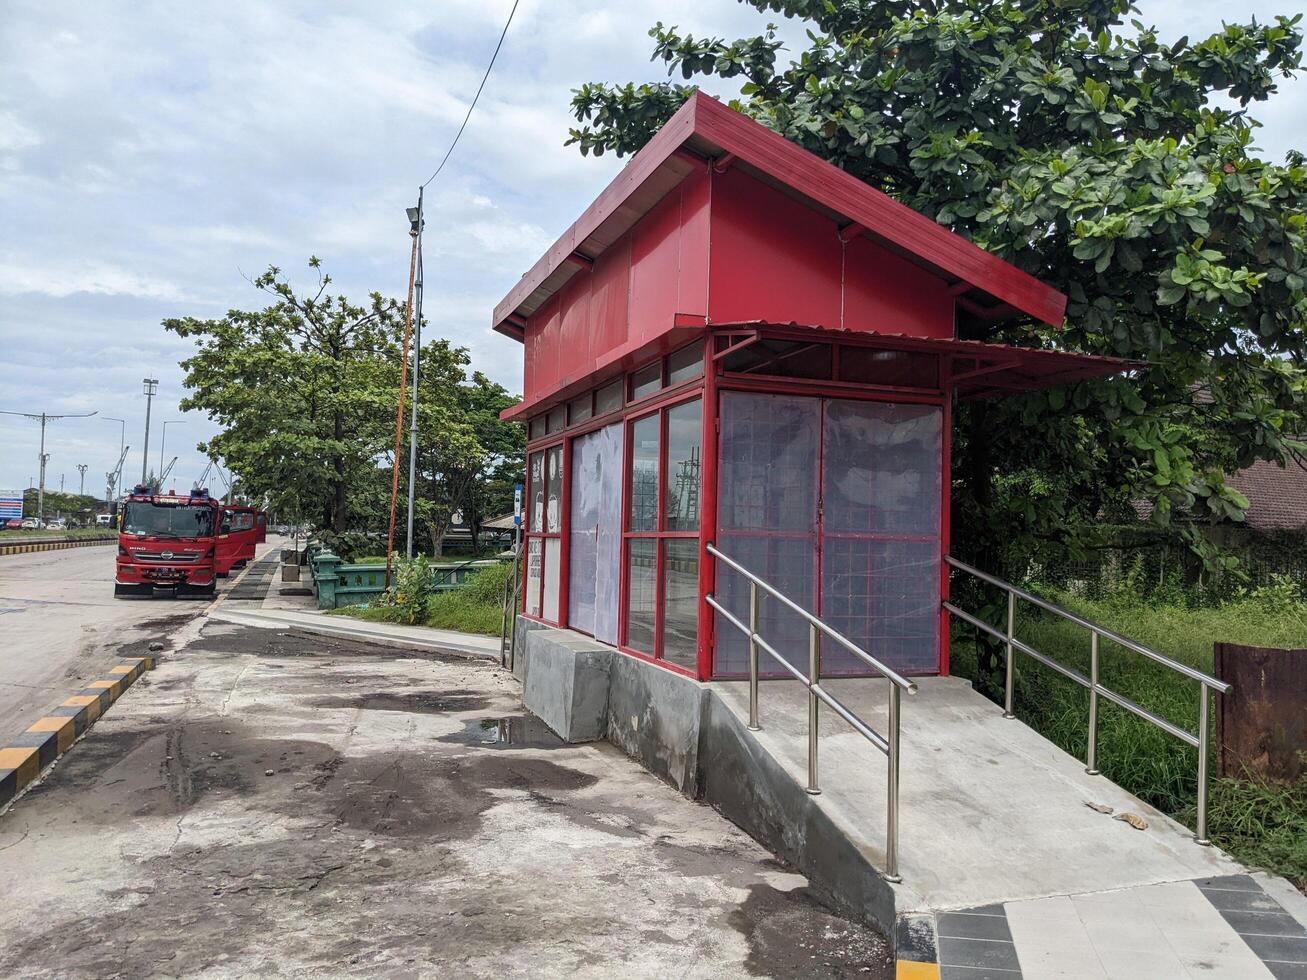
<point>647,380</point>
<point>537,427</point>
<point>642,572</point>
<point>684,364</point>
<point>534,572</point>
<point>644,474</point>
<point>906,369</point>
<point>768,473</point>
<point>536,519</point>
<point>782,359</point>
<point>882,468</point>
<point>579,409</point>
<point>554,493</point>
<point>681,602</point>
<point>556,419</point>
<point>608,398</point>
<point>595,532</point>
<point>553,564</point>
<point>684,441</point>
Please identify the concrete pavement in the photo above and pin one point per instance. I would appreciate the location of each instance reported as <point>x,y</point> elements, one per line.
<point>60,627</point>
<point>273,802</point>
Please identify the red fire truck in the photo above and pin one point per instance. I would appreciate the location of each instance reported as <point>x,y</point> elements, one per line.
<point>167,541</point>
<point>238,535</point>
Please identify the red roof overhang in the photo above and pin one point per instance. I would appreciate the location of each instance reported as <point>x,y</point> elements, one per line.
<point>705,130</point>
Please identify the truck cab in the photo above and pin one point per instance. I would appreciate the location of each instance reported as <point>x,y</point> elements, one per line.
<point>237,537</point>
<point>166,541</point>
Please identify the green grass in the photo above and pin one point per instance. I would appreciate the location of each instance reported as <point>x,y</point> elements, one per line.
<point>49,532</point>
<point>475,608</point>
<point>1263,824</point>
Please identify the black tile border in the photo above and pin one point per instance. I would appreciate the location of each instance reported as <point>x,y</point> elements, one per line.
<point>1277,938</point>
<point>975,943</point>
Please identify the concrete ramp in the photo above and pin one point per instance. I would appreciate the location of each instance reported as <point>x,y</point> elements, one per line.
<point>989,810</point>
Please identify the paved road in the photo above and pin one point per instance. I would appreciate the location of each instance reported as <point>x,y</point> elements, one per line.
<point>60,627</point>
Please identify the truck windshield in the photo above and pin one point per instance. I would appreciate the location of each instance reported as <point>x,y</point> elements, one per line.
<point>168,520</point>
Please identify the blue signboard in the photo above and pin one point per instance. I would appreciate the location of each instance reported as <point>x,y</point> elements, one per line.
<point>11,504</point>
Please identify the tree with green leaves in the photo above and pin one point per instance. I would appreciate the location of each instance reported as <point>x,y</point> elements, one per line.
<point>304,390</point>
<point>1088,151</point>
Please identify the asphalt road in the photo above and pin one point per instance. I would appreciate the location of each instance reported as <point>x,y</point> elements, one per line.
<point>61,627</point>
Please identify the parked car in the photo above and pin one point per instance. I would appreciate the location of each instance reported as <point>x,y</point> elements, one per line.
<point>14,524</point>
<point>31,523</point>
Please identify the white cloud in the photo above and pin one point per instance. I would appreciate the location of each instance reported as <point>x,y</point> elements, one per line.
<point>95,277</point>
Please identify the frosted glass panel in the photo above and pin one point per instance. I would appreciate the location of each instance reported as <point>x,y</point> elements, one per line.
<point>767,510</point>
<point>552,561</point>
<point>596,533</point>
<point>882,468</point>
<point>880,545</point>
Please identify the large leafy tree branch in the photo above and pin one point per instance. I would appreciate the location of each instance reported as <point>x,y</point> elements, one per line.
<point>1085,149</point>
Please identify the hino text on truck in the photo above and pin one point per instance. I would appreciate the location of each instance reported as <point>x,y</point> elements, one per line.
<point>167,541</point>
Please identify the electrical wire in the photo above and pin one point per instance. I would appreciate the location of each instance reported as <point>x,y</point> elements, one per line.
<point>495,55</point>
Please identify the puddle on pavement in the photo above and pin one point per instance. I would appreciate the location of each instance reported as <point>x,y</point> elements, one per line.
<point>513,732</point>
<point>416,702</point>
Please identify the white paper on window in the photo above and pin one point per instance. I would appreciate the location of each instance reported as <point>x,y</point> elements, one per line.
<point>594,582</point>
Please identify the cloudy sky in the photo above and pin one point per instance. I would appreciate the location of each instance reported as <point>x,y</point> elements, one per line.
<point>153,155</point>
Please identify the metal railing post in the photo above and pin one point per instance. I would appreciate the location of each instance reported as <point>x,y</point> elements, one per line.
<point>814,707</point>
<point>1091,754</point>
<point>1201,836</point>
<point>753,657</point>
<point>892,790</point>
<point>1011,632</point>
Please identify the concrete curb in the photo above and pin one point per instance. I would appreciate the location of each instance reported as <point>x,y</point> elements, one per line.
<point>50,737</point>
<point>32,546</point>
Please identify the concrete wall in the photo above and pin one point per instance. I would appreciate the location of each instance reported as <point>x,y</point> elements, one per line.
<point>682,732</point>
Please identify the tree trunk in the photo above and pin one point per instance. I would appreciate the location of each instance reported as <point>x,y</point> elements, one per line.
<point>338,516</point>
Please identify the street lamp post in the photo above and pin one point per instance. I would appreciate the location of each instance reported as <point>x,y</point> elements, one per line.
<point>151,386</point>
<point>44,457</point>
<point>81,490</point>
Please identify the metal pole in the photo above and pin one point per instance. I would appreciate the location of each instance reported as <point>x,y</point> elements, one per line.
<point>1011,632</point>
<point>1091,754</point>
<point>81,490</point>
<point>753,657</point>
<point>1204,699</point>
<point>40,489</point>
<point>892,789</point>
<point>399,408</point>
<point>814,707</point>
<point>417,358</point>
<point>151,386</point>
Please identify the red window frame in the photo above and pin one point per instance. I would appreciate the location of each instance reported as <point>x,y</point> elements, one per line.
<point>543,535</point>
<point>660,533</point>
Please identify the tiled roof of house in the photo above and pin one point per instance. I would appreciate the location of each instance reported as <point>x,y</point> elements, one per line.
<point>1278,495</point>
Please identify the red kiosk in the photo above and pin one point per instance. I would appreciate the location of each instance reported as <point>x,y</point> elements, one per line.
<point>739,344</point>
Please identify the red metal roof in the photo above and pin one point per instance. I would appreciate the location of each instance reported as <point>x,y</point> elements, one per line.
<point>704,129</point>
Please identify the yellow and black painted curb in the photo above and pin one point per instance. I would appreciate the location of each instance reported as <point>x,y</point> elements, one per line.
<point>915,950</point>
<point>30,753</point>
<point>31,546</point>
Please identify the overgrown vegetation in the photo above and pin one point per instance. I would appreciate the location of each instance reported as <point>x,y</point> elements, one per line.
<point>474,608</point>
<point>1259,822</point>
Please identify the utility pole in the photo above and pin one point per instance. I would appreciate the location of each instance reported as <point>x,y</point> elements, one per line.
<point>416,220</point>
<point>81,490</point>
<point>399,408</point>
<point>151,386</point>
<point>44,457</point>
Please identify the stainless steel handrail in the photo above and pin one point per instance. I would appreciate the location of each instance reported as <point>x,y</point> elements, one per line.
<point>1097,633</point>
<point>830,631</point>
<point>818,695</point>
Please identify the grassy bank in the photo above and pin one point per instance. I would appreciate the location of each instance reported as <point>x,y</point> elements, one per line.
<point>1263,824</point>
<point>475,608</point>
<point>55,534</point>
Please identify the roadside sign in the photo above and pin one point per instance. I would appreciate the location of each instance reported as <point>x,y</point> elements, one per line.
<point>517,504</point>
<point>11,504</point>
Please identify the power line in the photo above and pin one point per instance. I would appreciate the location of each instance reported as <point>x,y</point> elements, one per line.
<point>502,35</point>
